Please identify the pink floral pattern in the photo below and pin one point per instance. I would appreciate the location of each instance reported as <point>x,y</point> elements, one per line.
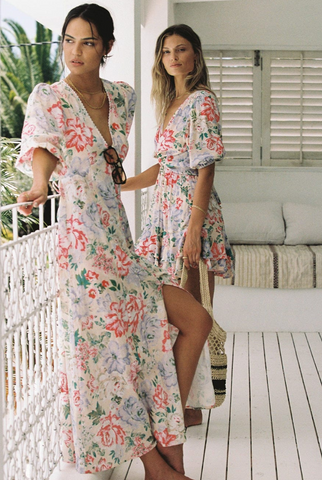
<point>209,108</point>
<point>78,134</point>
<point>117,366</point>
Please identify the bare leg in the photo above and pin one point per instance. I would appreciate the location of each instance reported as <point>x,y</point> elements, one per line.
<point>194,417</point>
<point>193,283</point>
<point>173,456</point>
<point>194,325</point>
<point>156,468</point>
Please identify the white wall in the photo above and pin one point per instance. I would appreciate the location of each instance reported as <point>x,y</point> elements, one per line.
<point>125,65</point>
<point>239,309</point>
<point>255,24</point>
<point>156,16</point>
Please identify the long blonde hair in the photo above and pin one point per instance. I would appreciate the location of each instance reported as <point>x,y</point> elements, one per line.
<point>163,87</point>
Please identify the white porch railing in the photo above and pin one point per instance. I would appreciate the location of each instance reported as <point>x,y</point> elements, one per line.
<point>29,367</point>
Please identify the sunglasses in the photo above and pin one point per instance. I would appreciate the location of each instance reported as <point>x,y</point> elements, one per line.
<point>112,158</point>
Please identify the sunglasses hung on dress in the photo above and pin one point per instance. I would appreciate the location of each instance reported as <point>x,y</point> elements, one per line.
<point>112,158</point>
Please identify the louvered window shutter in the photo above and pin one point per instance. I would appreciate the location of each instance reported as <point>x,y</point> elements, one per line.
<point>231,77</point>
<point>292,108</point>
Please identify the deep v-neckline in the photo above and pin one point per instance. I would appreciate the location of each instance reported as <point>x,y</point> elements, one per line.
<point>89,116</point>
<point>163,130</point>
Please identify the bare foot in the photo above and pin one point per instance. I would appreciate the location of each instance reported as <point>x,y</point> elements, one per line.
<point>156,468</point>
<point>173,456</point>
<point>177,476</point>
<point>166,475</point>
<point>192,417</point>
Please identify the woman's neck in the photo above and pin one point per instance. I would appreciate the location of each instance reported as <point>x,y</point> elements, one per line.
<point>86,84</point>
<point>180,86</point>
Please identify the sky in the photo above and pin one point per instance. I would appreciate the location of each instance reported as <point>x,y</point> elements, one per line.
<point>9,11</point>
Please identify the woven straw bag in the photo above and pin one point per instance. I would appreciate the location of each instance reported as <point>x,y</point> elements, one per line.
<point>216,338</point>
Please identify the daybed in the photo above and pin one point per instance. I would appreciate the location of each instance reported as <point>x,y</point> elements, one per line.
<point>275,245</point>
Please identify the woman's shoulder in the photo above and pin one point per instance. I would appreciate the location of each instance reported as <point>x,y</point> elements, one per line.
<point>203,102</point>
<point>119,87</point>
<point>46,90</point>
<point>202,94</point>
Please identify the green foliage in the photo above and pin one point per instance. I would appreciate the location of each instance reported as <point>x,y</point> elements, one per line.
<point>21,70</point>
<point>12,183</point>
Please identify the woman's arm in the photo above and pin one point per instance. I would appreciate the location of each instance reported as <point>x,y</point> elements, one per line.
<point>43,165</point>
<point>142,180</point>
<point>192,244</point>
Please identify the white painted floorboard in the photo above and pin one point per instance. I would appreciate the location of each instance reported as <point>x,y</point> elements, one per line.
<point>263,465</point>
<point>270,425</point>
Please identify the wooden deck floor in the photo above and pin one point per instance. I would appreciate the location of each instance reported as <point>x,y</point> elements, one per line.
<point>270,425</point>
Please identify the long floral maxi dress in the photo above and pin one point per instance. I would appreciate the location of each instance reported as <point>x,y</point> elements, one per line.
<point>191,141</point>
<point>119,389</point>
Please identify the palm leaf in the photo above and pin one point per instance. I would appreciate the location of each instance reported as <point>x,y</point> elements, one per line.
<point>21,71</point>
<point>12,182</point>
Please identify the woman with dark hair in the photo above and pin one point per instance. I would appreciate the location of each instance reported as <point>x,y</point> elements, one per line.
<point>185,222</point>
<point>121,396</point>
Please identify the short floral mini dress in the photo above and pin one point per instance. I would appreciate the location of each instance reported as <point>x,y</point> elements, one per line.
<point>191,141</point>
<point>119,389</point>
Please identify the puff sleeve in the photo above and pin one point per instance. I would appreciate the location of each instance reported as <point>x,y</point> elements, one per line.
<point>43,127</point>
<point>130,100</point>
<point>205,140</point>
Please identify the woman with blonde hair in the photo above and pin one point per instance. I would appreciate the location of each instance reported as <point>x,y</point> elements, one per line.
<point>185,221</point>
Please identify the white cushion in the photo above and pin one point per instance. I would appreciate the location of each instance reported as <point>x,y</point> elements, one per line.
<point>303,224</point>
<point>254,223</point>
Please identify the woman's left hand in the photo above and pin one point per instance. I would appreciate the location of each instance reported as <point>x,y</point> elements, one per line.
<point>192,250</point>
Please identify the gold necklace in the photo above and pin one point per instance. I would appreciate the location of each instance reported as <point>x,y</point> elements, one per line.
<point>92,93</point>
<point>81,94</point>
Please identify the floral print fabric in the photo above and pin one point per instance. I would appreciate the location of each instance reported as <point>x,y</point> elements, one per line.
<point>119,389</point>
<point>191,141</point>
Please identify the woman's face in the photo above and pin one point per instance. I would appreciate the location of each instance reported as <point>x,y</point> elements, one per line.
<point>178,56</point>
<point>83,47</point>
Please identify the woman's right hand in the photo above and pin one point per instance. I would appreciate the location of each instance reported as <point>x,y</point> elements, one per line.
<point>142,180</point>
<point>36,195</point>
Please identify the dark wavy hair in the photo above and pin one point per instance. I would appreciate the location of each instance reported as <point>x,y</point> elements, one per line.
<point>163,86</point>
<point>94,15</point>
